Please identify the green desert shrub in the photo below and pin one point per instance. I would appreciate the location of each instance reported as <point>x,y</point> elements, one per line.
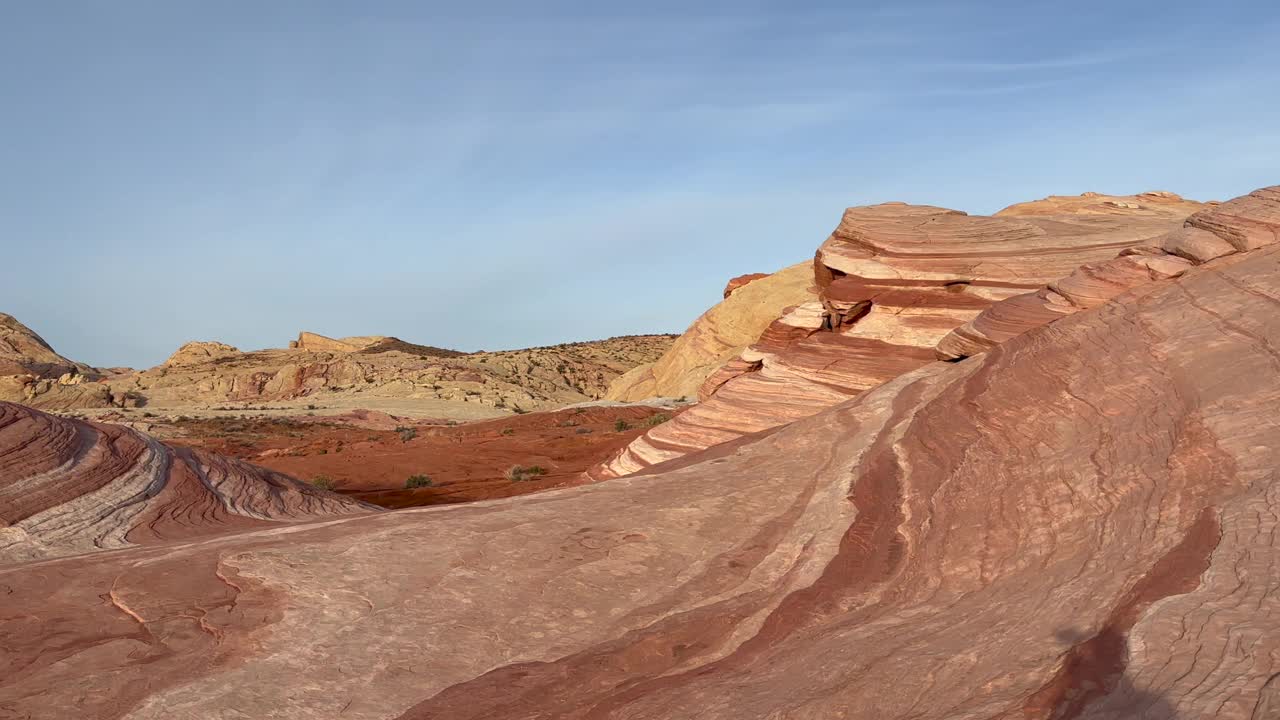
<point>417,481</point>
<point>518,473</point>
<point>657,419</point>
<point>621,425</point>
<point>322,482</point>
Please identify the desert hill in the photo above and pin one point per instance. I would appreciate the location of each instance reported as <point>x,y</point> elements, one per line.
<point>373,372</point>
<point>1078,520</point>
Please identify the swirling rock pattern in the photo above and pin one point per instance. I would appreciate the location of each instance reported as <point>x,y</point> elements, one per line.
<point>1082,522</point>
<point>69,487</point>
<point>893,281</point>
<point>1240,225</point>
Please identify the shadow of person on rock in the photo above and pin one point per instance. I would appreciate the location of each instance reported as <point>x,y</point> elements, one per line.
<point>1094,684</point>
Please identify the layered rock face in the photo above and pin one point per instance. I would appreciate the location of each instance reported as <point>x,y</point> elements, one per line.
<point>1081,522</point>
<point>1240,225</point>
<point>717,336</point>
<point>893,280</point>
<point>70,487</point>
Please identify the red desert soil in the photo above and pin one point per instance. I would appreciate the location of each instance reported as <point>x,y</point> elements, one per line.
<point>367,457</point>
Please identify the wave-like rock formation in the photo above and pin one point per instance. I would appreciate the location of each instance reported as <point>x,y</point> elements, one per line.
<point>69,487</point>
<point>1240,225</point>
<point>717,335</point>
<point>893,280</point>
<point>1081,522</point>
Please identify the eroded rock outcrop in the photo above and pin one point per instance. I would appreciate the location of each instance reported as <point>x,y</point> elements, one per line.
<point>717,336</point>
<point>893,280</point>
<point>368,372</point>
<point>741,280</point>
<point>1243,224</point>
<point>70,487</point>
<point>196,352</point>
<point>1082,522</point>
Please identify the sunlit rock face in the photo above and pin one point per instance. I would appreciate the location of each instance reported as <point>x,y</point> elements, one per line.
<point>893,281</point>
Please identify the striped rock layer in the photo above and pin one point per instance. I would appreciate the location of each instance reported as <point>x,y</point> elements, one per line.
<point>1081,522</point>
<point>70,487</point>
<point>893,280</point>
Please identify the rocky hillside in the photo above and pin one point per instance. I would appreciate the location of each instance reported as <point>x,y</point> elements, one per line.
<point>893,281</point>
<point>1081,521</point>
<point>370,372</point>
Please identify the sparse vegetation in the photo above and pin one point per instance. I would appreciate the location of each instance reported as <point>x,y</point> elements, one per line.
<point>406,433</point>
<point>517,473</point>
<point>418,481</point>
<point>323,482</point>
<point>508,431</point>
<point>657,419</point>
<point>621,425</point>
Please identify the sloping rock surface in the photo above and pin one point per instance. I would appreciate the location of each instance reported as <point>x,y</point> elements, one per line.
<point>1082,522</point>
<point>717,336</point>
<point>69,487</point>
<point>893,280</point>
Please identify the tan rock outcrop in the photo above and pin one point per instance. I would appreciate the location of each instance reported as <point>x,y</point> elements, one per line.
<point>319,343</point>
<point>741,280</point>
<point>385,372</point>
<point>23,352</point>
<point>893,281</point>
<point>1083,522</point>
<point>716,337</point>
<point>196,352</point>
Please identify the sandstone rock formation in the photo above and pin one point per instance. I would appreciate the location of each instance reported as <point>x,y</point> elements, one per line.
<point>33,372</point>
<point>196,352</point>
<point>1082,522</point>
<point>893,280</point>
<point>69,487</point>
<point>1220,230</point>
<point>320,343</point>
<point>373,372</point>
<point>741,280</point>
<point>717,336</point>
<point>23,352</point>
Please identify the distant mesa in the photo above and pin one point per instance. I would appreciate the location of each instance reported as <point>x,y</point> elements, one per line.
<point>320,343</point>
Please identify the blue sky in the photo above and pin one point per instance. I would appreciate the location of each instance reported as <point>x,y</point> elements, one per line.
<point>490,175</point>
